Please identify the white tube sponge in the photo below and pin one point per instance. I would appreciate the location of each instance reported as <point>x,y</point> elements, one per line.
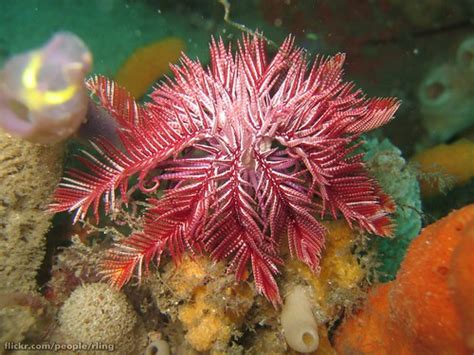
<point>299,325</point>
<point>42,93</point>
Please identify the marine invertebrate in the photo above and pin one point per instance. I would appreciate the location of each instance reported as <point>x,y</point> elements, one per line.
<point>424,309</point>
<point>461,283</point>
<point>337,285</point>
<point>445,95</point>
<point>157,345</point>
<point>210,306</point>
<point>28,175</point>
<point>147,64</point>
<point>97,313</point>
<point>249,149</point>
<point>42,94</point>
<point>299,325</point>
<point>453,161</point>
<point>387,165</point>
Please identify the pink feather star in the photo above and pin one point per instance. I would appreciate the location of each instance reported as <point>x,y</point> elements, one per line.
<point>251,149</point>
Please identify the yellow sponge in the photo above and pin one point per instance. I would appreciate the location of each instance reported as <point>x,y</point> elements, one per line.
<point>205,323</point>
<point>147,64</point>
<point>339,268</point>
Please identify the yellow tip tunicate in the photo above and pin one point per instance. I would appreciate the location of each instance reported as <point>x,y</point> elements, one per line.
<point>454,160</point>
<point>29,77</point>
<point>147,64</point>
<point>43,98</point>
<point>34,97</point>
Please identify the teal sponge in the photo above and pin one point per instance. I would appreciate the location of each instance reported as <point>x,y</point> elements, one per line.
<point>386,164</point>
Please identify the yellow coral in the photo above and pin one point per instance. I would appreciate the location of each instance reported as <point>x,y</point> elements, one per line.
<point>339,267</point>
<point>456,160</point>
<point>147,64</point>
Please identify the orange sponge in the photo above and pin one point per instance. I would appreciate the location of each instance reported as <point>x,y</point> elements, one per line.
<point>462,283</point>
<point>455,160</point>
<point>147,64</point>
<point>427,309</point>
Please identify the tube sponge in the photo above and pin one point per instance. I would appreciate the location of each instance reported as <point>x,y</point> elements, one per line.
<point>42,94</point>
<point>445,95</point>
<point>298,322</point>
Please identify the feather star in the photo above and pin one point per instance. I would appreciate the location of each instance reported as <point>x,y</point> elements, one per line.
<point>252,149</point>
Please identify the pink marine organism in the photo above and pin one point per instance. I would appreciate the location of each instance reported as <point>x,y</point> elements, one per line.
<point>42,94</point>
<point>250,151</point>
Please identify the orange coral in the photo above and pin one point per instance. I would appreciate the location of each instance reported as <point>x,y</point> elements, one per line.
<point>428,308</point>
<point>147,64</point>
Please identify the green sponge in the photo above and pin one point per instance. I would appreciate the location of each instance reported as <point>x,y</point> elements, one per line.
<point>386,164</point>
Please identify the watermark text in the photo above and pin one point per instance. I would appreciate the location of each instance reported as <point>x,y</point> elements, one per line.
<point>94,346</point>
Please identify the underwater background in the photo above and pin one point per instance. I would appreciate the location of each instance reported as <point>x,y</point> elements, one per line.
<point>408,293</point>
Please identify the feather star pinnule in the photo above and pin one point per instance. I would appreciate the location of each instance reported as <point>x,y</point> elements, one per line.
<point>252,149</point>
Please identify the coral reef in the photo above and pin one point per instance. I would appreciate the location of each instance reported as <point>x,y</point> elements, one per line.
<point>204,309</point>
<point>249,149</point>
<point>96,313</point>
<point>454,162</point>
<point>199,297</point>
<point>42,93</point>
<point>426,309</point>
<point>240,181</point>
<point>397,179</point>
<point>147,64</point>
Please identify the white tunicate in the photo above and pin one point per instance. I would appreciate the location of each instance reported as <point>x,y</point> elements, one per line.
<point>299,325</point>
<point>159,347</point>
